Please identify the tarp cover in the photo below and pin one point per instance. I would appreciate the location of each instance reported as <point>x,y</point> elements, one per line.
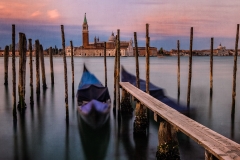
<point>91,88</point>
<point>155,91</point>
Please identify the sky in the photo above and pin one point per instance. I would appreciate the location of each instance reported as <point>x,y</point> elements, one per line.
<point>169,21</point>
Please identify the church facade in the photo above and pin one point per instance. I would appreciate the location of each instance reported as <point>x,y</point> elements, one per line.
<point>96,48</point>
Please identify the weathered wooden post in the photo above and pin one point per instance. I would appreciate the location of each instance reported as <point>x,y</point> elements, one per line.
<point>211,68</point>
<point>14,73</point>
<point>136,58</point>
<point>147,58</point>
<point>118,69</point>
<point>115,74</point>
<point>234,73</point>
<point>37,48</point>
<point>72,63</point>
<point>126,106</point>
<point>65,72</point>
<point>105,63</point>
<point>22,70</point>
<point>190,68</point>
<point>31,72</point>
<point>167,142</point>
<point>6,54</point>
<point>51,65</point>
<point>140,122</point>
<point>44,84</point>
<point>178,74</point>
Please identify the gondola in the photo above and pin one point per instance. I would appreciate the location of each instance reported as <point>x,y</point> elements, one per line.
<point>155,91</point>
<point>93,100</point>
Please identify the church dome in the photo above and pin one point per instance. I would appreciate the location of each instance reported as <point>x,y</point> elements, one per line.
<point>112,38</point>
<point>220,46</point>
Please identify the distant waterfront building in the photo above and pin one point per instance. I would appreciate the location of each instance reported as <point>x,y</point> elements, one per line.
<point>221,50</point>
<point>96,48</point>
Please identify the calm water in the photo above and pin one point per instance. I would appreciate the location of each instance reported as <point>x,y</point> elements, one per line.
<point>42,133</point>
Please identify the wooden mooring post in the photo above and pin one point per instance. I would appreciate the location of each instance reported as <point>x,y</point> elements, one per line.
<point>118,70</point>
<point>72,63</point>
<point>44,84</point>
<point>167,142</point>
<point>51,65</point>
<point>22,70</point>
<point>147,58</point>
<point>31,71</point>
<point>14,73</point>
<point>65,72</point>
<point>190,68</point>
<point>211,68</point>
<point>6,55</point>
<point>37,48</point>
<point>234,73</point>
<point>178,70</point>
<point>105,63</point>
<point>115,75</point>
<point>140,122</point>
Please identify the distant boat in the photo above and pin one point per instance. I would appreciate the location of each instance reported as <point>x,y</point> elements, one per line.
<point>155,91</point>
<point>93,100</point>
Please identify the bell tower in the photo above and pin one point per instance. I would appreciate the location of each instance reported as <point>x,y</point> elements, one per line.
<point>85,39</point>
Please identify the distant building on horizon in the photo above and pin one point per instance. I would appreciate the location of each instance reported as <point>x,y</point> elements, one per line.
<point>96,48</point>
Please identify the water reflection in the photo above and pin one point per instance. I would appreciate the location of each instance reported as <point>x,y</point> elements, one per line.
<point>94,141</point>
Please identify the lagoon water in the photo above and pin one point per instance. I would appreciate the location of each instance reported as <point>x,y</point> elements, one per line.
<point>42,132</point>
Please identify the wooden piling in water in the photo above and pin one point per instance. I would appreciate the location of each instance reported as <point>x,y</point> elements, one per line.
<point>234,73</point>
<point>178,72</point>
<point>31,71</point>
<point>190,68</point>
<point>37,48</point>
<point>147,58</point>
<point>115,74</point>
<point>167,142</point>
<point>51,65</point>
<point>22,70</point>
<point>14,73</point>
<point>105,63</point>
<point>6,55</point>
<point>72,63</point>
<point>141,121</point>
<point>65,71</point>
<point>211,68</point>
<point>136,59</point>
<point>44,84</point>
<point>118,68</point>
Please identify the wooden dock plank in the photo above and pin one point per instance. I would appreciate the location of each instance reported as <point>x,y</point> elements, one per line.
<point>218,145</point>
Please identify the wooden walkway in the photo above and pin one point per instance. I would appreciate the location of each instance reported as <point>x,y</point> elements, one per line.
<point>216,144</point>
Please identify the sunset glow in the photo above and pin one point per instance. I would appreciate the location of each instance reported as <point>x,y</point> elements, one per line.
<point>169,21</point>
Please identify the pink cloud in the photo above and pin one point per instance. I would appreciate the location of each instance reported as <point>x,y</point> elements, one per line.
<point>36,13</point>
<point>53,14</point>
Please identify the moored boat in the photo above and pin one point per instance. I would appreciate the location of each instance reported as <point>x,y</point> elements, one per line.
<point>155,91</point>
<point>93,100</point>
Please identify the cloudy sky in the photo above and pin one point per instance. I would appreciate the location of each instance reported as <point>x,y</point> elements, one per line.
<point>169,21</point>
